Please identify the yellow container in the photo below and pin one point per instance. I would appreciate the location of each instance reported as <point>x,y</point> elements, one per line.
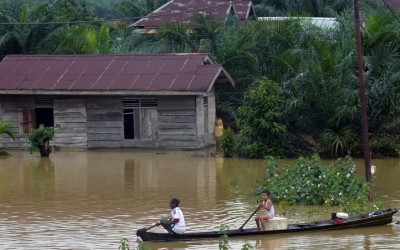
<point>219,128</point>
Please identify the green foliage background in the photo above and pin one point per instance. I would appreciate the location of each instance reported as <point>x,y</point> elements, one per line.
<point>296,83</point>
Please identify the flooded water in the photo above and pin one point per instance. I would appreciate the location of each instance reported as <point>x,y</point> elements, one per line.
<point>93,199</point>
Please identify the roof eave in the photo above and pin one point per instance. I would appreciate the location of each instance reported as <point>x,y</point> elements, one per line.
<point>101,93</point>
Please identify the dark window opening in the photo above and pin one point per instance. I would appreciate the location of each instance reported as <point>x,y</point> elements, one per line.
<point>129,128</point>
<point>44,116</point>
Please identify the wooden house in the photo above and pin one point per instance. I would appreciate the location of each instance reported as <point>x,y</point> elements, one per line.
<point>112,101</point>
<point>183,11</point>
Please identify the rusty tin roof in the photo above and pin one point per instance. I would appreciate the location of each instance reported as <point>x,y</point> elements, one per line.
<point>183,10</point>
<point>111,73</point>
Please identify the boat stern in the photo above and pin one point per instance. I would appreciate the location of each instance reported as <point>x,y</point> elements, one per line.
<point>142,234</point>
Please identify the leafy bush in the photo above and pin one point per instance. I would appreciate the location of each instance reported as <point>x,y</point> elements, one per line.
<point>228,144</point>
<point>308,182</point>
<point>39,140</point>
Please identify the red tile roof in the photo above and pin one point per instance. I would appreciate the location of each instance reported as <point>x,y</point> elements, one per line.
<point>145,73</point>
<point>183,10</point>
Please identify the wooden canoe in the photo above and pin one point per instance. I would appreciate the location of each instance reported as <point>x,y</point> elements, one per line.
<point>381,217</point>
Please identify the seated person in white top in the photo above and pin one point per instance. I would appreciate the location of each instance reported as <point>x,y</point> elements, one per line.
<point>269,210</point>
<point>176,223</point>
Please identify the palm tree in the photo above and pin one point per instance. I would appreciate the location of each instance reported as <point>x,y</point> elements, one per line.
<point>180,37</point>
<point>5,128</point>
<point>382,62</point>
<point>23,36</point>
<point>316,8</point>
<point>77,40</point>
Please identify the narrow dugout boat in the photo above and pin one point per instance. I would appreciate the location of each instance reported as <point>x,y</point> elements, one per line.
<point>381,217</point>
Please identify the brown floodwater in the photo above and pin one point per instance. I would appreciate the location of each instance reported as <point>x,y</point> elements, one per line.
<point>93,199</point>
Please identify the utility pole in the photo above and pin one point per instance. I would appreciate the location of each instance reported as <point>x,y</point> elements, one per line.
<point>363,99</point>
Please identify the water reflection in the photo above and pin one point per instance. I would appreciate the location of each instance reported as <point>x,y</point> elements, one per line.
<point>92,199</point>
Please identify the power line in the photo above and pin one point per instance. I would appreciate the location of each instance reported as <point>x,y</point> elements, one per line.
<point>122,19</point>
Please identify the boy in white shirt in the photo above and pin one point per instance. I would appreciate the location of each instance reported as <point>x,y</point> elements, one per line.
<point>176,223</point>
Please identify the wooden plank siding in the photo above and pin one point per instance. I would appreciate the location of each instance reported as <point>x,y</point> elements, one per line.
<point>177,121</point>
<point>9,113</point>
<point>98,122</point>
<point>70,121</point>
<point>104,122</point>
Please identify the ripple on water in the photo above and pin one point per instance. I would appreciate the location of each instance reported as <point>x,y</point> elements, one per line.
<point>93,199</point>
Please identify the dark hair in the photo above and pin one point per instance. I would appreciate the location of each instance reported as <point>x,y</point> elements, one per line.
<point>265,191</point>
<point>175,201</point>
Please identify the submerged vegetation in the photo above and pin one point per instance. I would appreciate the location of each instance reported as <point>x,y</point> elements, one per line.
<point>309,182</point>
<point>39,140</point>
<point>5,129</point>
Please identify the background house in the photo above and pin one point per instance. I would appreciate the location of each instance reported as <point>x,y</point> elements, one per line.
<point>184,10</point>
<point>112,100</point>
<point>393,4</point>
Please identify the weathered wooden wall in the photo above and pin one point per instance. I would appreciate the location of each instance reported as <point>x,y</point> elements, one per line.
<point>70,121</point>
<point>97,122</point>
<point>177,123</point>
<point>10,106</point>
<point>104,122</point>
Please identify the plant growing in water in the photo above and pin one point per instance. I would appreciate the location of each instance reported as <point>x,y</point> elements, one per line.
<point>124,245</point>
<point>309,182</point>
<point>5,128</point>
<point>39,140</point>
<point>223,241</point>
<point>228,144</point>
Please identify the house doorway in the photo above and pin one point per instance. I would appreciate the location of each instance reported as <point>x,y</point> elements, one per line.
<point>44,116</point>
<point>44,113</point>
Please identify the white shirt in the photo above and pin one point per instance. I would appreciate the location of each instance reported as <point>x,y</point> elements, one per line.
<point>270,212</point>
<point>179,227</point>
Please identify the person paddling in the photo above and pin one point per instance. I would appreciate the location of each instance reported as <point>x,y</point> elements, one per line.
<point>269,210</point>
<point>176,223</point>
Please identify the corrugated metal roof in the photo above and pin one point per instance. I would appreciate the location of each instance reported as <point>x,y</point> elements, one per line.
<point>168,72</point>
<point>183,10</point>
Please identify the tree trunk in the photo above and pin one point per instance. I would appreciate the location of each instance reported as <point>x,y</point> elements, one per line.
<point>46,149</point>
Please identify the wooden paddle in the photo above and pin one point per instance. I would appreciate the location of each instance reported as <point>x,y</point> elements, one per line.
<point>147,228</point>
<point>241,228</point>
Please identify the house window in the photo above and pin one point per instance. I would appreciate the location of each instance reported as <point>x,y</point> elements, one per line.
<point>140,118</point>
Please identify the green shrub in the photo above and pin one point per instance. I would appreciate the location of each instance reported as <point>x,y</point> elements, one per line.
<point>309,182</point>
<point>228,144</point>
<point>39,140</point>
